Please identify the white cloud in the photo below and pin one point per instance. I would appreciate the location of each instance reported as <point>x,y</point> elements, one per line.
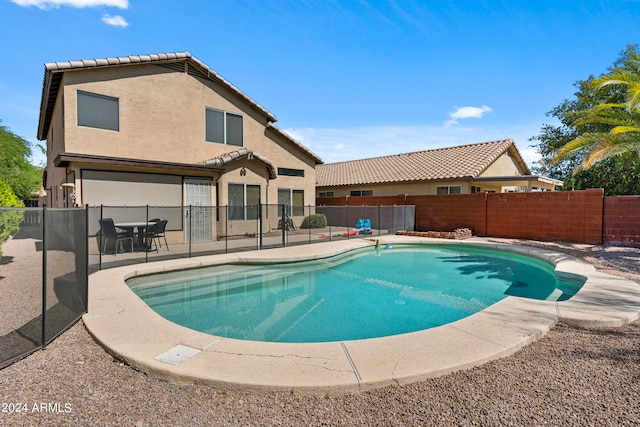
<point>467,113</point>
<point>343,144</point>
<point>55,4</point>
<point>116,21</point>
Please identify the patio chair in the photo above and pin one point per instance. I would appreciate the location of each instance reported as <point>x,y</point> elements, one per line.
<point>109,231</point>
<point>155,232</point>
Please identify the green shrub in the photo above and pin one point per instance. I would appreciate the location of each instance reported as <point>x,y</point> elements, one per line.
<point>9,220</point>
<point>314,221</point>
<point>8,197</point>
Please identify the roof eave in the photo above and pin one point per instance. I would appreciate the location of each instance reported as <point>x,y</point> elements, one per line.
<point>289,138</point>
<point>404,181</point>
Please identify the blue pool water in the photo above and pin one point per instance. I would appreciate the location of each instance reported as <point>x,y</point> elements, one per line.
<point>367,294</point>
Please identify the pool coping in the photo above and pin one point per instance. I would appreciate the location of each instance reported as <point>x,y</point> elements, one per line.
<point>132,332</point>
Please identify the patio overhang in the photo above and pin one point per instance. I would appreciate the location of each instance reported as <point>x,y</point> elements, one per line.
<point>66,159</point>
<point>530,181</point>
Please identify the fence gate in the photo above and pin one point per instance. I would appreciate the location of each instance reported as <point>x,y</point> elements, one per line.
<point>197,210</point>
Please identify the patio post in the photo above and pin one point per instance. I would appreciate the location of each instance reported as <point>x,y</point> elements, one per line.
<point>226,230</point>
<point>260,226</point>
<point>100,240</point>
<point>190,228</point>
<point>146,232</point>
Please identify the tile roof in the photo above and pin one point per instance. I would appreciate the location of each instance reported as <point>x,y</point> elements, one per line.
<point>240,154</point>
<point>465,161</point>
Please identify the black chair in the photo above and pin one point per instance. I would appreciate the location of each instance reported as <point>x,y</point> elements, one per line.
<point>108,231</point>
<point>155,232</point>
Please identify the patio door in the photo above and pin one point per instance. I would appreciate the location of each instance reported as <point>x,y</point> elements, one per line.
<point>198,212</point>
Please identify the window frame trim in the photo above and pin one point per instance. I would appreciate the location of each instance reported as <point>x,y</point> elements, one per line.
<point>244,199</point>
<point>80,93</point>
<point>292,206</point>
<point>296,173</point>
<point>448,187</point>
<point>225,126</point>
<point>360,195</point>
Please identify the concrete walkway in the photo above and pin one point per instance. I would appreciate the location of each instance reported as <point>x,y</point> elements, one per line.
<point>134,333</point>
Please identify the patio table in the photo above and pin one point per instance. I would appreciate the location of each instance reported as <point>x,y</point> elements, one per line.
<point>142,227</point>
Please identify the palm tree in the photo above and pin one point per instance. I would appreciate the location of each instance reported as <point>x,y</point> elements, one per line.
<point>620,119</point>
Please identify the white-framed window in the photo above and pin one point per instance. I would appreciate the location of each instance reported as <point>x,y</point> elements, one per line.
<point>455,189</point>
<point>361,193</point>
<point>243,201</point>
<point>326,194</point>
<point>293,199</point>
<point>476,189</point>
<point>98,111</point>
<point>223,127</point>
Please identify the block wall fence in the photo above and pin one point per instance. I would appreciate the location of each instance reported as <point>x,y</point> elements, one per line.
<point>585,216</point>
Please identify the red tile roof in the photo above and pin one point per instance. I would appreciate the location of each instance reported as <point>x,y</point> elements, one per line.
<point>465,161</point>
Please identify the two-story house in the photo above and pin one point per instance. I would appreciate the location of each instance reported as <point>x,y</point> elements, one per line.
<point>165,130</point>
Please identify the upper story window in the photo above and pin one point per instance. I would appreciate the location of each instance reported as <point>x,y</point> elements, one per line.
<point>290,172</point>
<point>223,127</point>
<point>98,111</point>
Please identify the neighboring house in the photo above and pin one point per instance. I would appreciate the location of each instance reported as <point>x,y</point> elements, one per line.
<point>165,130</point>
<point>485,167</point>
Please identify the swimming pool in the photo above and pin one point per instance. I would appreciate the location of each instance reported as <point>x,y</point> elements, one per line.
<point>133,333</point>
<point>377,292</point>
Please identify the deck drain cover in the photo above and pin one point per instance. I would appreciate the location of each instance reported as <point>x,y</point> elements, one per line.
<point>177,354</point>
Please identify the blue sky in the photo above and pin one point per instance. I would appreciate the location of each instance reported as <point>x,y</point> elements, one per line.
<point>348,79</point>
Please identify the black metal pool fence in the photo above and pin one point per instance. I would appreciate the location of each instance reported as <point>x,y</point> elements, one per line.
<point>206,230</point>
<point>43,276</point>
<point>46,253</point>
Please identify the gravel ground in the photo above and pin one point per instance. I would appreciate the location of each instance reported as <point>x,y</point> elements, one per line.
<point>569,377</point>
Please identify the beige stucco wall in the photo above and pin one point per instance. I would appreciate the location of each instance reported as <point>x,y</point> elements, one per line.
<point>407,188</point>
<point>55,144</point>
<point>162,118</point>
<point>504,165</point>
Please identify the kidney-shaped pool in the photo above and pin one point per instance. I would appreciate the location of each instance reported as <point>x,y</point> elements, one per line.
<point>377,292</point>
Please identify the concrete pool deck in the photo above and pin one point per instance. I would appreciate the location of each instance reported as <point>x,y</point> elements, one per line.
<point>127,328</point>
